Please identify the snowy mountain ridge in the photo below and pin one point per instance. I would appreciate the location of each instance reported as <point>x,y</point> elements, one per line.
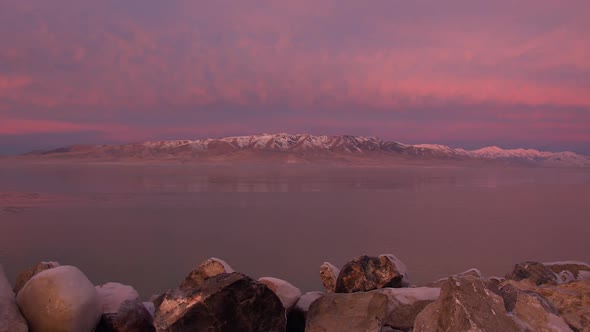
<point>303,144</point>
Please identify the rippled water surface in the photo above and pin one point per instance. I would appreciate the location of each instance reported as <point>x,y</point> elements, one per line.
<point>149,225</point>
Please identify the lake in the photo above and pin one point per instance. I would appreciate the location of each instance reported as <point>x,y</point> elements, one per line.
<point>148,225</point>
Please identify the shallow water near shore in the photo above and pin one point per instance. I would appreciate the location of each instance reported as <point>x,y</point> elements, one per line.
<point>149,225</point>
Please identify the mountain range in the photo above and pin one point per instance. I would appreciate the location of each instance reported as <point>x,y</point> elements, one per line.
<point>303,147</point>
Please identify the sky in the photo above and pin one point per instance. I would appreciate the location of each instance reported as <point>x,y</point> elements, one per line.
<point>459,72</point>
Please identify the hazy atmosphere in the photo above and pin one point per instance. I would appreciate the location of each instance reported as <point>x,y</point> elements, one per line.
<point>294,166</point>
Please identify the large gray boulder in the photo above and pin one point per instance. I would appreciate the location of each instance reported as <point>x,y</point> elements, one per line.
<point>11,319</point>
<point>534,271</point>
<point>207,269</point>
<point>225,302</point>
<point>60,299</point>
<point>287,293</point>
<point>329,275</point>
<point>132,316</point>
<point>404,304</point>
<point>26,275</point>
<point>465,304</point>
<point>112,294</point>
<point>366,273</point>
<point>363,311</point>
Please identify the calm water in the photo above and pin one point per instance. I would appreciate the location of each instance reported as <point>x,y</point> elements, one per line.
<point>148,226</point>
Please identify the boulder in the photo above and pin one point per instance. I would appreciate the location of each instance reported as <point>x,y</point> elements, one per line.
<point>26,275</point>
<point>471,272</point>
<point>60,299</point>
<point>493,283</point>
<point>366,273</point>
<point>132,316</point>
<point>564,277</point>
<point>225,302</point>
<point>532,311</point>
<point>207,269</point>
<point>287,293</point>
<point>569,271</point>
<point>406,303</point>
<point>363,311</point>
<point>534,271</point>
<point>329,275</point>
<point>150,307</point>
<point>465,304</point>
<point>11,319</point>
<point>572,300</point>
<point>298,314</point>
<point>112,294</point>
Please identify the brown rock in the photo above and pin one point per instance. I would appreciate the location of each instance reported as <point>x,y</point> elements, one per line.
<point>27,274</point>
<point>465,304</point>
<point>329,275</point>
<point>533,312</point>
<point>471,272</point>
<point>207,269</point>
<point>572,300</point>
<point>534,271</point>
<point>225,302</point>
<point>366,273</point>
<point>578,270</point>
<point>348,312</point>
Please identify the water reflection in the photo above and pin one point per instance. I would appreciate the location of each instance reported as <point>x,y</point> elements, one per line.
<point>149,225</point>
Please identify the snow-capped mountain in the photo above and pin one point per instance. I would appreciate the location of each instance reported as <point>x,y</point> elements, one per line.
<point>296,146</point>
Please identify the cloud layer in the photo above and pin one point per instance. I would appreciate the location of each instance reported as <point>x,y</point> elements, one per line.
<point>458,72</point>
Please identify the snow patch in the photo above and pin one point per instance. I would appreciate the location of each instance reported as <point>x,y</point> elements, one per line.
<point>287,293</point>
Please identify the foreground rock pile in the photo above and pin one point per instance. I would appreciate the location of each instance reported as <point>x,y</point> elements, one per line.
<point>366,294</point>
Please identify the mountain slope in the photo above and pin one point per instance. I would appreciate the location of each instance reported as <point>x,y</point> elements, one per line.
<point>305,147</point>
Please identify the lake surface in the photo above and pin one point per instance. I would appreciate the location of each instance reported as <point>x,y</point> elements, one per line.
<point>149,225</point>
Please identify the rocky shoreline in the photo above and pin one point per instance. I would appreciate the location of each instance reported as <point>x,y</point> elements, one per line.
<point>366,294</point>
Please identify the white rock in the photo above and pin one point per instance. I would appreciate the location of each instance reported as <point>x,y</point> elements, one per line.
<point>307,299</point>
<point>112,294</point>
<point>287,293</point>
<point>11,319</point>
<point>60,299</point>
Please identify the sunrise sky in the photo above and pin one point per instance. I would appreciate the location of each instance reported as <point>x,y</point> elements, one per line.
<point>460,72</point>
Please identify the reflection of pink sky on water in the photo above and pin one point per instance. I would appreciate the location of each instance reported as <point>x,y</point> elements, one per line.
<point>20,199</point>
<point>15,202</point>
<point>129,223</point>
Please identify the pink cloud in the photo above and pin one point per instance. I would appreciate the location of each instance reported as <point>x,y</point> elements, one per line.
<point>92,62</point>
